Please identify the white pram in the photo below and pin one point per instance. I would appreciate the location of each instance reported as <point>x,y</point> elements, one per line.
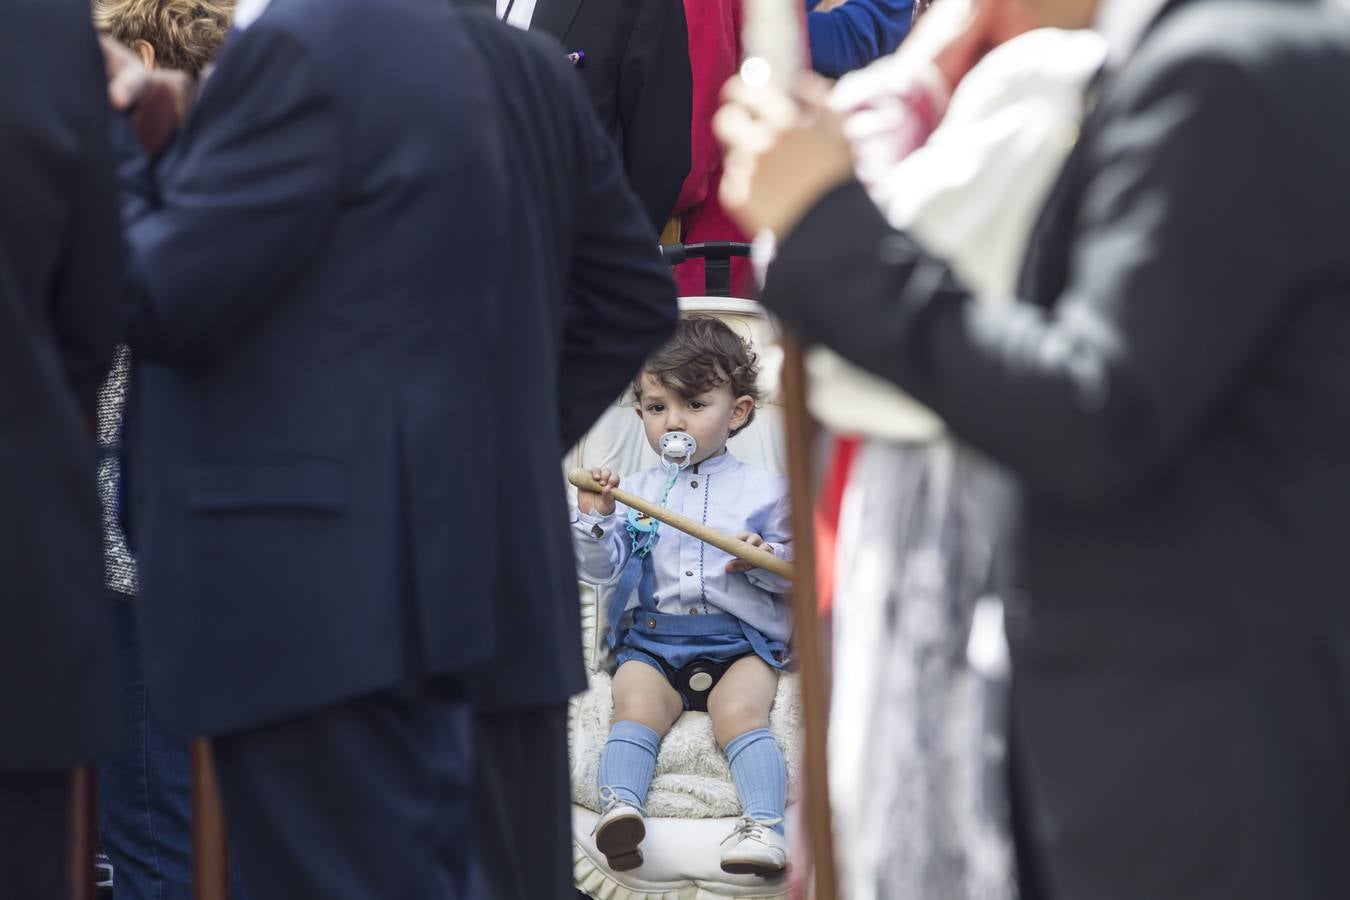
<point>692,805</point>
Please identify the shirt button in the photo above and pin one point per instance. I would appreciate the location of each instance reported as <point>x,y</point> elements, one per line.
<point>689,573</point>
<point>693,484</point>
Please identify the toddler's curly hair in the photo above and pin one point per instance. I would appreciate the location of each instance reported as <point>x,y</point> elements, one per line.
<point>704,353</point>
<point>186,34</point>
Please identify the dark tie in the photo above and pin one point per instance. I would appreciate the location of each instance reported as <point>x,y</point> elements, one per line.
<point>1045,266</point>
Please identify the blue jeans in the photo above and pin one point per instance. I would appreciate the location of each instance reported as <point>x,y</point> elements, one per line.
<point>145,788</point>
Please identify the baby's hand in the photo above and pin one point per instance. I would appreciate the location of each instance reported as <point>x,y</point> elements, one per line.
<point>754,540</point>
<point>602,503</point>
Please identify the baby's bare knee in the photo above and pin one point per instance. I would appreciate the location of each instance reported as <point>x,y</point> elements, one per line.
<point>645,711</point>
<point>647,702</point>
<point>734,716</point>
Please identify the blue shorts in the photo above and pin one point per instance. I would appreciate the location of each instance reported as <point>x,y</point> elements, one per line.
<point>679,640</point>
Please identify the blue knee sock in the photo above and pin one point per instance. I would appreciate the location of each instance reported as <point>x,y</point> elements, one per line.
<point>760,773</point>
<point>629,760</point>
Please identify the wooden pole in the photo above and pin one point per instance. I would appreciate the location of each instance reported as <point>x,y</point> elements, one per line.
<point>210,869</point>
<point>581,478</point>
<point>807,640</point>
<point>81,862</point>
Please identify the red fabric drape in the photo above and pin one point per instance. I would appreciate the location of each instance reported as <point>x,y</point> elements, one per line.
<point>714,56</point>
<point>828,505</point>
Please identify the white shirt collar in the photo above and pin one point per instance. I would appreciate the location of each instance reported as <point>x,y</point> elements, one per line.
<point>246,12</point>
<point>519,13</point>
<point>1123,23</point>
<point>715,464</point>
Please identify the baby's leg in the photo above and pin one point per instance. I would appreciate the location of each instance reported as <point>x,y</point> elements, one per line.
<point>739,706</point>
<point>643,695</point>
<point>645,707</point>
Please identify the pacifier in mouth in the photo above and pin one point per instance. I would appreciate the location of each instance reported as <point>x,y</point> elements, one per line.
<point>677,449</point>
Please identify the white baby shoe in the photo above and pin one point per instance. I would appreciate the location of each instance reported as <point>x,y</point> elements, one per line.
<point>755,849</point>
<point>619,831</point>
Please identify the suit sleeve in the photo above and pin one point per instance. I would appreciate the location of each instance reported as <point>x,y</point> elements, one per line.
<point>656,106</point>
<point>621,298</point>
<point>244,202</point>
<point>86,308</point>
<point>1183,263</point>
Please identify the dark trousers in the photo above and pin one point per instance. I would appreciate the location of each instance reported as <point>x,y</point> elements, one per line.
<point>145,788</point>
<point>34,835</point>
<point>522,804</point>
<point>364,800</point>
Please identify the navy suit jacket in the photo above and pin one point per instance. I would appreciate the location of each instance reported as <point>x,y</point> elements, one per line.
<point>324,333</point>
<point>60,267</point>
<point>637,73</point>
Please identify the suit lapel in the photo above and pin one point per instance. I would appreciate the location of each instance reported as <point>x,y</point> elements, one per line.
<point>1045,266</point>
<point>1168,8</point>
<point>554,16</point>
<point>1045,270</point>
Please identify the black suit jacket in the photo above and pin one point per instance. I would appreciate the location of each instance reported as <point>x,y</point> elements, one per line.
<point>637,73</point>
<point>1174,396</point>
<point>60,268</point>
<point>349,364</point>
<point>590,299</point>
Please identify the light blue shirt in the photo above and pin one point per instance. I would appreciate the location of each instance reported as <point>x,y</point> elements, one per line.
<point>691,576</point>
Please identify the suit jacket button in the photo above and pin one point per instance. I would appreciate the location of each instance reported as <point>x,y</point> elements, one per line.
<point>689,573</point>
<point>597,531</point>
<point>694,611</point>
<point>693,484</point>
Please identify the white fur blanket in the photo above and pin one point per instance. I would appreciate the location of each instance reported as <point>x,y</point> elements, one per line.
<point>693,779</point>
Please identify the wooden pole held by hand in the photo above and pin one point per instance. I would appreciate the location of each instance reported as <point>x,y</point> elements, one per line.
<point>762,559</point>
<point>210,873</point>
<point>807,638</point>
<point>81,860</point>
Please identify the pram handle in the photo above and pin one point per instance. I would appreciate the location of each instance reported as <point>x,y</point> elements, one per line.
<point>762,559</point>
<point>717,261</point>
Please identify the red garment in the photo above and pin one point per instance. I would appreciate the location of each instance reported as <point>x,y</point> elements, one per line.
<point>714,56</point>
<point>826,516</point>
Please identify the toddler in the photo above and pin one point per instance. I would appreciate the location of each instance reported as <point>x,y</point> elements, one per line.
<point>685,613</point>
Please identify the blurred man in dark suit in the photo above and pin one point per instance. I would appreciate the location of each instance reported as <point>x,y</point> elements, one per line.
<point>633,56</point>
<point>590,279</point>
<point>60,271</point>
<point>356,370</point>
<point>1172,391</point>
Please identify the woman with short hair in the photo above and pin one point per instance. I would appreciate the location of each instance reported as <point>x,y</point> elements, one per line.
<point>145,793</point>
<point>170,34</point>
